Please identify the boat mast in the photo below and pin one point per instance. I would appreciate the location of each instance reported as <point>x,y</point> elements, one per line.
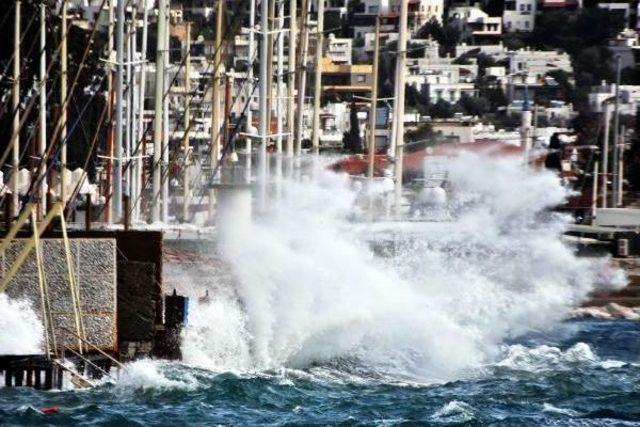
<point>399,104</point>
<point>141,132</point>
<point>42,136</point>
<point>317,88</point>
<point>187,125</point>
<point>291,70</point>
<point>262,153</point>
<point>374,103</point>
<point>165,121</point>
<point>280,83</point>
<point>249,96</point>
<point>117,169</point>
<point>215,100</point>
<point>63,103</point>
<point>302,69</point>
<point>15,128</point>
<point>157,121</point>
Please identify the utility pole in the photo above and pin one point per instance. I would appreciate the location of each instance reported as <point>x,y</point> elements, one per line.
<point>157,121</point>
<point>187,126</point>
<point>117,163</point>
<point>42,136</point>
<point>291,69</point>
<point>318,79</point>
<point>302,70</point>
<point>64,103</point>
<point>264,128</point>
<point>374,103</point>
<point>399,103</point>
<point>616,132</point>
<point>15,128</point>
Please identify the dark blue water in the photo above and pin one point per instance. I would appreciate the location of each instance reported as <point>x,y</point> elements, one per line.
<point>584,373</point>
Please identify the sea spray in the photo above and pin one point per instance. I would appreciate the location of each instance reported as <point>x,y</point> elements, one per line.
<point>21,330</point>
<point>308,290</point>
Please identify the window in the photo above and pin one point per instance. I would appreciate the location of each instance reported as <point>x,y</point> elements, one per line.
<point>361,78</point>
<point>373,10</point>
<point>529,7</point>
<point>526,24</point>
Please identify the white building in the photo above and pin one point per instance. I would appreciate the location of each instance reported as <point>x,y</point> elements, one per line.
<point>420,11</point>
<point>629,97</point>
<point>474,23</point>
<point>339,50</point>
<point>537,63</point>
<point>519,15</point>
<point>336,6</point>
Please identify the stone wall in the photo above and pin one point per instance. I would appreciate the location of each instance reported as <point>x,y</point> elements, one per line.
<point>95,269</point>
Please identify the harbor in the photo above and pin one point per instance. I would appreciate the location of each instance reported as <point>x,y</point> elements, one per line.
<point>288,212</point>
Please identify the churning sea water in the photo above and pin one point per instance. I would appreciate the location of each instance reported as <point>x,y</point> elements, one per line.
<point>583,373</point>
<point>460,323</point>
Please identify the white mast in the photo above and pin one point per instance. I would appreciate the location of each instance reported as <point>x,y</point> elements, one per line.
<point>291,69</point>
<point>306,4</point>
<point>215,100</point>
<point>128,128</point>
<point>107,213</point>
<point>279,80</point>
<point>63,101</point>
<point>399,104</point>
<point>187,125</point>
<point>374,103</point>
<point>317,88</point>
<point>132,170</point>
<point>264,114</point>
<point>252,54</point>
<point>165,121</point>
<point>616,131</point>
<point>157,121</point>
<point>117,161</point>
<point>605,154</point>
<point>141,137</point>
<point>15,128</point>
<point>42,137</point>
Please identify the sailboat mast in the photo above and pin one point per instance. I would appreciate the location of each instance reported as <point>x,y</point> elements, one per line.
<point>42,135</point>
<point>15,128</point>
<point>318,79</point>
<point>157,121</point>
<point>401,60</point>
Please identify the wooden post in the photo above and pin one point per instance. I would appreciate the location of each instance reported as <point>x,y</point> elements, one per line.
<point>87,217</point>
<point>126,213</point>
<point>8,213</point>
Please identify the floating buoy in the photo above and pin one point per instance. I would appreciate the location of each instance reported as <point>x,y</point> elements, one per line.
<point>50,410</point>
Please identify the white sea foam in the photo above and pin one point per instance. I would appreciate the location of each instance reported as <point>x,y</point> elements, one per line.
<point>308,290</point>
<point>540,358</point>
<point>21,331</point>
<point>549,408</point>
<point>148,374</point>
<point>455,410</point>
